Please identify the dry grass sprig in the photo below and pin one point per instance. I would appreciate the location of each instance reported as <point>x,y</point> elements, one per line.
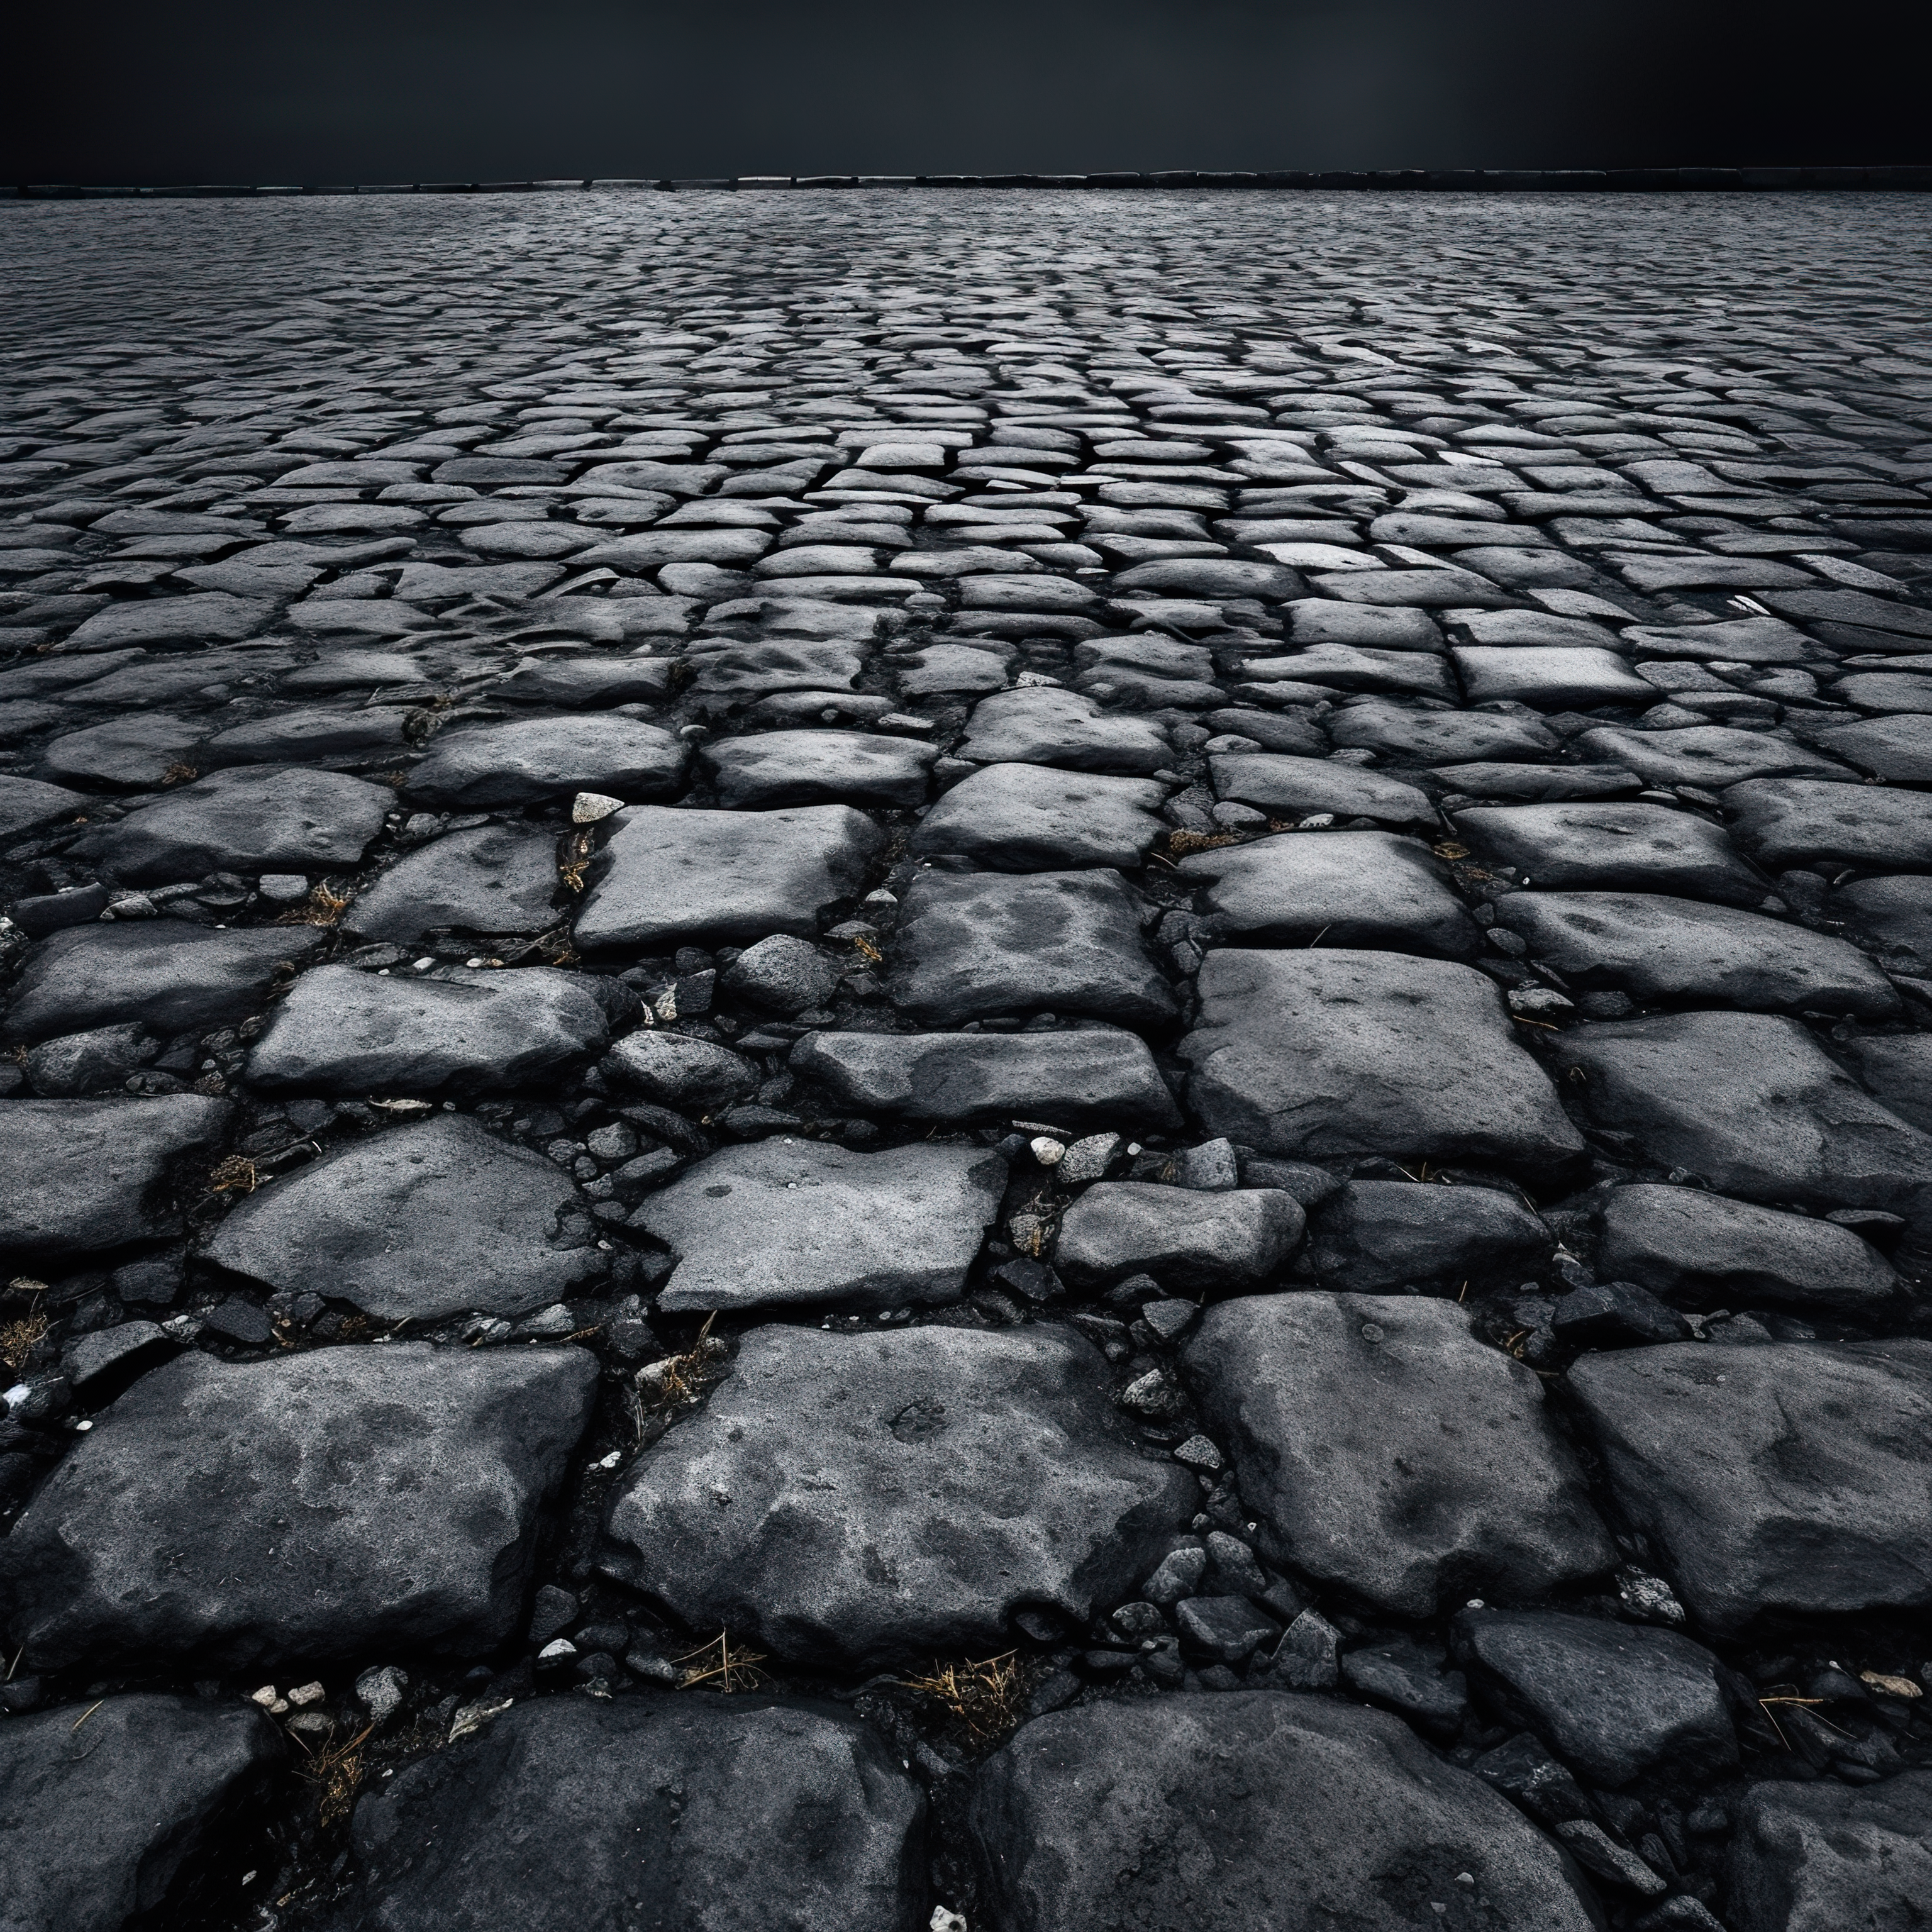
<point>988,1697</point>
<point>335,1770</point>
<point>323,907</point>
<point>17,1339</point>
<point>720,1666</point>
<point>235,1174</point>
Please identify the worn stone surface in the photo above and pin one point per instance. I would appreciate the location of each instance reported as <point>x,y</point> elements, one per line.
<point>420,1537</point>
<point>547,757</point>
<point>889,671</point>
<point>412,1224</point>
<point>1221,1241</point>
<point>1025,818</point>
<point>1374,1235</point>
<point>1349,890</point>
<point>1336,1409</point>
<point>341,1031</point>
<point>1216,1813</point>
<point>1795,1478</point>
<point>169,975</point>
<point>248,819</point>
<point>1701,1249</point>
<point>724,876</point>
<point>81,1177</point>
<point>867,1498</point>
<point>1749,1102</point>
<point>974,945</point>
<point>731,1813</point>
<point>810,1223</point>
<point>1611,1699</point>
<point>1808,1858</point>
<point>493,879</point>
<point>1093,1076</point>
<point>1613,847</point>
<point>1662,950</point>
<point>111,1811</point>
<point>1320,1054</point>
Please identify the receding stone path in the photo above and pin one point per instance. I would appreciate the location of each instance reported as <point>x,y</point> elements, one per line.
<point>986,1061</point>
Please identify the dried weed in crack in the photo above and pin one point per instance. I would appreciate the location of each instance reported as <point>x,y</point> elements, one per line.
<point>234,1174</point>
<point>17,1339</point>
<point>988,1697</point>
<point>717,1665</point>
<point>323,907</point>
<point>336,1772</point>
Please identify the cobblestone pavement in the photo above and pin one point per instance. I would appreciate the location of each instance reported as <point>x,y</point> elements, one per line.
<point>924,1058</point>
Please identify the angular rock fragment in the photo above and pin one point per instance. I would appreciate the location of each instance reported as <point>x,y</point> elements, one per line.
<point>1373,1236</point>
<point>1813,1858</point>
<point>724,877</point>
<point>342,1031</point>
<point>1437,737</point>
<point>1713,756</point>
<point>490,879</point>
<point>1388,1452</point>
<point>421,1221</point>
<point>1896,1070</point>
<point>1796,1478</point>
<point>1559,676</point>
<point>809,1223</point>
<point>1784,822</point>
<point>1656,948</point>
<point>1699,1249</point>
<point>1320,1055</point>
<point>1631,848</point>
<point>675,1070</point>
<point>26,804</point>
<point>1093,1076</point>
<point>1748,1102</point>
<point>1611,1699</point>
<point>1033,818</point>
<point>537,759</point>
<point>1296,787</point>
<point>314,1508</point>
<point>110,1810</point>
<point>1261,1807</point>
<point>1233,1239</point>
<point>869,1499</point>
<point>564,1815</point>
<point>82,1177</point>
<point>168,975</point>
<point>1360,889</point>
<point>972,946</point>
<point>254,819</point>
<point>1039,726</point>
<point>775,768</point>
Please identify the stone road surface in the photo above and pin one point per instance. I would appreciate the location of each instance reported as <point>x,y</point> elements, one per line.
<point>924,1058</point>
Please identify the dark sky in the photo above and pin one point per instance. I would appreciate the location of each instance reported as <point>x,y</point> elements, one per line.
<point>404,90</point>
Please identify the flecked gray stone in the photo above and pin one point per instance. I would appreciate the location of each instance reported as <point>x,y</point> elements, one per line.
<point>342,1031</point>
<point>1336,1409</point>
<point>724,877</point>
<point>1261,1807</point>
<point>873,1498</point>
<point>810,1222</point>
<point>1318,1055</point>
<point>414,1476</point>
<point>730,1813</point>
<point>83,1177</point>
<point>111,1809</point>
<point>1795,1478</point>
<point>421,1221</point>
<point>1091,1076</point>
<point>1225,1240</point>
